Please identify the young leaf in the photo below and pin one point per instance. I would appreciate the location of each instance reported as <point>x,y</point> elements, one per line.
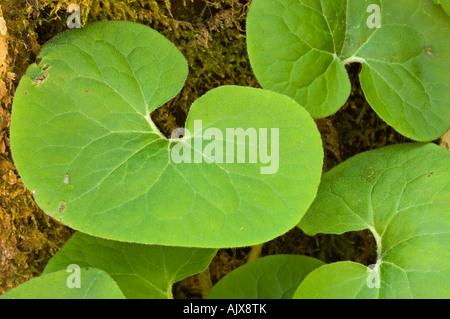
<point>299,48</point>
<point>270,277</point>
<point>141,271</point>
<point>84,143</point>
<point>93,284</point>
<point>402,194</point>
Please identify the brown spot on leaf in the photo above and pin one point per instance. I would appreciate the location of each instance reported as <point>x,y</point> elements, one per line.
<point>368,172</point>
<point>41,78</point>
<point>62,207</point>
<point>429,51</point>
<point>66,179</point>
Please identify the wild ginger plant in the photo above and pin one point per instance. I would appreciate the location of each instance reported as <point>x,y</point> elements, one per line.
<point>151,210</point>
<point>300,49</point>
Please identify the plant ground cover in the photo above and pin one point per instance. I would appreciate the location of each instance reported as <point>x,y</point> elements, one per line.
<point>211,37</point>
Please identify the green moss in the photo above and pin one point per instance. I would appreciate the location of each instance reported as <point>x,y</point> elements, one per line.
<point>28,237</point>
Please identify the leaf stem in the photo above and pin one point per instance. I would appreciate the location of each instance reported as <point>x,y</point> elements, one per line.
<point>255,252</point>
<point>204,278</point>
<point>155,129</point>
<point>169,292</point>
<point>377,241</point>
<point>353,59</point>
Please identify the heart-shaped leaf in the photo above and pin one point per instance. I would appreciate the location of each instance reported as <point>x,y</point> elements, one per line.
<point>141,271</point>
<point>270,277</point>
<point>91,284</point>
<point>402,194</point>
<point>85,145</point>
<point>299,48</point>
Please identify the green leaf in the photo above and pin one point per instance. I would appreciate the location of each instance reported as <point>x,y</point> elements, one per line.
<point>141,271</point>
<point>341,280</point>
<point>270,277</point>
<point>94,284</point>
<point>402,194</point>
<point>85,145</point>
<point>299,48</point>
